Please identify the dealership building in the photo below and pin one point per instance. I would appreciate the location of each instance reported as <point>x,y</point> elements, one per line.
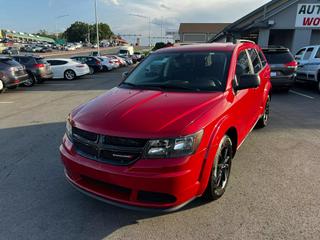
<point>290,23</point>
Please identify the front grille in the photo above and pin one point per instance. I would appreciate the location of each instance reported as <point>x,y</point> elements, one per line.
<point>107,149</point>
<point>155,197</point>
<point>110,189</point>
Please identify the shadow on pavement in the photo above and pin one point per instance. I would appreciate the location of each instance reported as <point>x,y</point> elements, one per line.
<point>37,202</point>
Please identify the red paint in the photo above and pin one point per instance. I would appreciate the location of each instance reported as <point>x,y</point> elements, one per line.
<point>151,114</point>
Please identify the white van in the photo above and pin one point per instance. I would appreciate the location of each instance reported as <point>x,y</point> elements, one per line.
<point>126,51</point>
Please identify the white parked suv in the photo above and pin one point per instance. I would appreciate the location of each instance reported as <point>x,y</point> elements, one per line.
<point>308,59</point>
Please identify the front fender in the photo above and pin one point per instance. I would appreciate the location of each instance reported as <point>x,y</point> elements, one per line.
<point>219,129</point>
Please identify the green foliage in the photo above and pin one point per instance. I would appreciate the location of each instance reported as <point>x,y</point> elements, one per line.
<point>44,33</point>
<point>79,31</point>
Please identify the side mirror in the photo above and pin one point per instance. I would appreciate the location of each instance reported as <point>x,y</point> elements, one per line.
<point>125,75</point>
<point>247,81</point>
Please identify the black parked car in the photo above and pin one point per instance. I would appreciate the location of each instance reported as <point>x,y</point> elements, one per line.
<point>38,69</point>
<point>94,63</point>
<point>12,74</point>
<point>283,67</point>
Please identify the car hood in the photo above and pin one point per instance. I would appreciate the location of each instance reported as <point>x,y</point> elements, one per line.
<point>143,113</point>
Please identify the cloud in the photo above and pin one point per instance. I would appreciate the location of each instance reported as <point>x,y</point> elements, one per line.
<point>164,6</point>
<point>113,2</point>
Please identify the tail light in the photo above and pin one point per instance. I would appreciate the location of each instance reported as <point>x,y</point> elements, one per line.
<point>292,64</point>
<point>98,62</point>
<point>39,65</point>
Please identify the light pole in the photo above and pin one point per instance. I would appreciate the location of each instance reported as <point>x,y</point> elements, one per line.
<point>149,24</point>
<point>97,25</point>
<point>59,17</point>
<point>161,27</point>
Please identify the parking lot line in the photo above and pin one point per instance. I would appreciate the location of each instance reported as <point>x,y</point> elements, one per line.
<point>60,84</point>
<point>301,94</point>
<point>6,102</point>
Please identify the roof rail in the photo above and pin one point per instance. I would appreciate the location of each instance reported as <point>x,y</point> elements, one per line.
<point>244,41</point>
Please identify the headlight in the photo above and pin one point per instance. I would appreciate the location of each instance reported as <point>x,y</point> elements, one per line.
<point>69,128</point>
<point>174,147</point>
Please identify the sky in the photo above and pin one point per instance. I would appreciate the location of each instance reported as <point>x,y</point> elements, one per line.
<point>56,15</point>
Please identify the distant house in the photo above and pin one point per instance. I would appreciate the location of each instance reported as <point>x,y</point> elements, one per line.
<point>199,32</point>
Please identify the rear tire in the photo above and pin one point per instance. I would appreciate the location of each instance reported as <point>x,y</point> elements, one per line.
<point>69,75</point>
<point>220,172</point>
<point>264,120</point>
<point>31,81</point>
<point>318,86</point>
<point>91,70</point>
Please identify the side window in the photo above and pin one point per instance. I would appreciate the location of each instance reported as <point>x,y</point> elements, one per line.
<point>262,59</point>
<point>300,52</point>
<point>26,60</point>
<point>318,53</point>
<point>255,60</point>
<point>52,62</point>
<point>308,53</point>
<point>60,62</point>
<point>243,65</point>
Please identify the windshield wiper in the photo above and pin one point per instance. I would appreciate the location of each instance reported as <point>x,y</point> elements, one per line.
<point>142,86</point>
<point>173,86</point>
<point>129,84</point>
<point>161,86</point>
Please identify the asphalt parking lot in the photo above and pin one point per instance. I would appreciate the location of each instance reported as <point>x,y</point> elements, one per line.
<point>273,192</point>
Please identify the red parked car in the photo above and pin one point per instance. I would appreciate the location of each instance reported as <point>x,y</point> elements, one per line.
<point>168,132</point>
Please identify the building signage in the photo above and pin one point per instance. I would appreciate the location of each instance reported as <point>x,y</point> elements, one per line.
<point>308,15</point>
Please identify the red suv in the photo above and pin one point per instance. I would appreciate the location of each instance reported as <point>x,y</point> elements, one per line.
<point>168,132</point>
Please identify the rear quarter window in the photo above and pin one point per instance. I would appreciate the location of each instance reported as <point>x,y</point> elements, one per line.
<point>41,60</point>
<point>26,60</point>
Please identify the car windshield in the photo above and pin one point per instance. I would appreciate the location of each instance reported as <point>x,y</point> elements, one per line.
<point>186,71</point>
<point>123,51</point>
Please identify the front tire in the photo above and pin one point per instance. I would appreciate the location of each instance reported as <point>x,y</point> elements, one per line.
<point>264,120</point>
<point>69,75</point>
<point>220,172</point>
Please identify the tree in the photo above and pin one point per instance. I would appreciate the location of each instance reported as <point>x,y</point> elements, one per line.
<point>44,33</point>
<point>79,31</point>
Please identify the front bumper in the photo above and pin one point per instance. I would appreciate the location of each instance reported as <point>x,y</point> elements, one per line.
<point>164,184</point>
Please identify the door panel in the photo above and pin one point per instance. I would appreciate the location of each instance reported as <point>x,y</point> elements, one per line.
<point>245,103</point>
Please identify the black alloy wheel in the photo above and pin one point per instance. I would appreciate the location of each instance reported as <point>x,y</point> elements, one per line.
<point>220,172</point>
